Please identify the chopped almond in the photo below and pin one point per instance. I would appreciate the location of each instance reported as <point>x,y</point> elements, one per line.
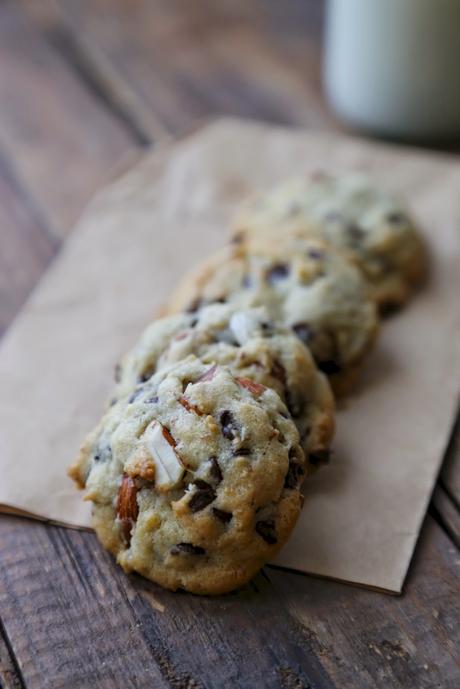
<point>252,386</point>
<point>127,507</point>
<point>169,469</point>
<point>189,406</point>
<point>207,375</point>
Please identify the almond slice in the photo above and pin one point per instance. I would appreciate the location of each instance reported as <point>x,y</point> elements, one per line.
<point>252,386</point>
<point>207,375</point>
<point>169,469</point>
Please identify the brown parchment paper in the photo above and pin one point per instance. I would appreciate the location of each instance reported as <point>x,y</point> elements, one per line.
<point>363,513</point>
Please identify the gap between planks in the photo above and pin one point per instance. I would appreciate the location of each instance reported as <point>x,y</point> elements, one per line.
<point>96,71</point>
<point>10,674</point>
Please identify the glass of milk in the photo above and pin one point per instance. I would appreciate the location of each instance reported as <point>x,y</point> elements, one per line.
<point>392,67</point>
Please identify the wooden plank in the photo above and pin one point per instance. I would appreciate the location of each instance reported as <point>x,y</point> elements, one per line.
<point>186,61</point>
<point>64,140</point>
<point>75,620</point>
<point>368,640</point>
<point>9,676</point>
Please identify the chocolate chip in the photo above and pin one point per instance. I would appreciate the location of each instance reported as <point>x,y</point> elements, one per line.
<point>319,457</point>
<point>266,529</point>
<point>187,549</point>
<point>224,517</point>
<point>152,400</point>
<point>117,373</point>
<point>281,438</point>
<point>103,453</point>
<point>293,209</point>
<point>303,331</point>
<point>215,471</point>
<point>194,305</point>
<point>277,272</point>
<point>295,404</point>
<point>112,401</point>
<point>395,218</point>
<point>241,452</point>
<point>332,216</point>
<point>304,435</point>
<point>201,485</point>
<point>319,176</point>
<point>193,322</point>
<point>237,238</point>
<point>247,281</point>
<point>134,395</point>
<point>202,497</point>
<point>146,374</point>
<point>294,473</point>
<point>355,232</point>
<point>278,371</point>
<point>329,367</point>
<point>315,254</point>
<point>227,421</point>
<point>220,300</point>
<point>389,308</point>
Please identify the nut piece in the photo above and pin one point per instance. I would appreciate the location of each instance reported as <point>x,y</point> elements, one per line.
<point>127,507</point>
<point>207,375</point>
<point>246,324</point>
<point>189,406</point>
<point>168,466</point>
<point>252,386</point>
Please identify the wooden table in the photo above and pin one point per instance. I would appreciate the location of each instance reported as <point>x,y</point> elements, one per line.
<point>83,84</point>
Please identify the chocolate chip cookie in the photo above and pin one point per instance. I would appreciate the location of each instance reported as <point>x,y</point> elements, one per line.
<point>371,227</point>
<point>316,292</point>
<point>194,477</point>
<point>252,347</point>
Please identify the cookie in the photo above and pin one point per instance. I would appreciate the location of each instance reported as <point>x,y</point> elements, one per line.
<point>370,226</point>
<point>194,478</point>
<point>317,293</point>
<point>252,347</point>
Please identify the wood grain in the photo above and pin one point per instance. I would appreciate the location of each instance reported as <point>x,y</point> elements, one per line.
<point>26,246</point>
<point>186,61</point>
<point>64,600</point>
<point>62,139</point>
<point>366,639</point>
<point>9,676</point>
<point>61,594</point>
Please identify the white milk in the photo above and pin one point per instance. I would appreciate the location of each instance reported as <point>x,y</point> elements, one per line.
<point>393,66</point>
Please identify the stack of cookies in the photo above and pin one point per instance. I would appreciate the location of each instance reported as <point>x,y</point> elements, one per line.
<point>225,406</point>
